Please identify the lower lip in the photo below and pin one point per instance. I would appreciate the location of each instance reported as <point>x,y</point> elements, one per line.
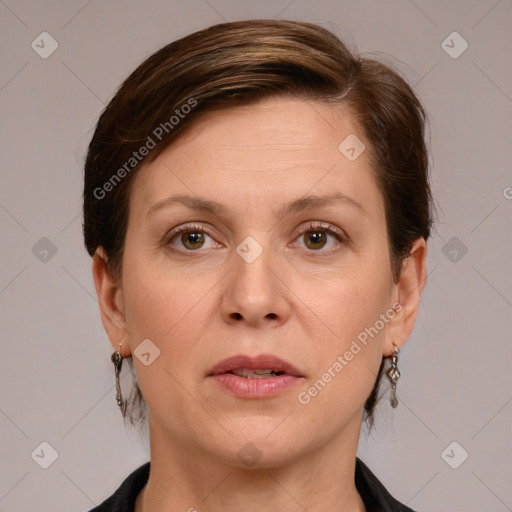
<point>256,388</point>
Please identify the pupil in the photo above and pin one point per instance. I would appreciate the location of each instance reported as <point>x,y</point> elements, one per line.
<point>316,237</point>
<point>191,238</point>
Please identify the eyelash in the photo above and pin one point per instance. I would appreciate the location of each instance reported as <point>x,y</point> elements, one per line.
<point>311,227</point>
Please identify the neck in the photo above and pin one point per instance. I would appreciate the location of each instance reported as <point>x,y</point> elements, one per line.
<point>183,477</point>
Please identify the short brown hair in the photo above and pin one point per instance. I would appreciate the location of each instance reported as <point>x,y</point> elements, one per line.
<point>243,62</point>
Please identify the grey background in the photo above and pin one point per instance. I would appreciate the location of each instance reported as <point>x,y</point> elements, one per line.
<point>56,378</point>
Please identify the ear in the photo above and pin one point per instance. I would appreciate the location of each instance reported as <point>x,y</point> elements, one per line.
<point>412,280</point>
<point>110,298</point>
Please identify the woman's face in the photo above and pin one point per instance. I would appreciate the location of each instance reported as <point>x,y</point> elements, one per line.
<point>294,264</point>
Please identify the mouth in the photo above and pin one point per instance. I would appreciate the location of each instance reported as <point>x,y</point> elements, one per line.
<point>260,377</point>
<point>256,374</point>
<point>259,367</point>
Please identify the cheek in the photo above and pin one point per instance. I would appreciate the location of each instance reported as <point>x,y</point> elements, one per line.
<point>169,308</point>
<point>349,350</point>
<point>151,306</point>
<point>153,301</point>
<point>346,371</point>
<point>350,304</point>
<point>167,311</point>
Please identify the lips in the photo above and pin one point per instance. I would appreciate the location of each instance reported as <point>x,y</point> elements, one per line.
<point>261,377</point>
<point>262,366</point>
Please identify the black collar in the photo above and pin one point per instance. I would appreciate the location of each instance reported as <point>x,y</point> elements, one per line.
<point>374,495</point>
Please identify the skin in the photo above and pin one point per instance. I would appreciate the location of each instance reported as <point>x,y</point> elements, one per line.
<point>303,299</point>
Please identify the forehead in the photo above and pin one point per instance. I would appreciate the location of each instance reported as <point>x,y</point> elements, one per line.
<point>276,127</point>
<point>275,150</point>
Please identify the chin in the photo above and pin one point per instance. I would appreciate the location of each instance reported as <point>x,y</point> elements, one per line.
<point>261,454</point>
<point>261,446</point>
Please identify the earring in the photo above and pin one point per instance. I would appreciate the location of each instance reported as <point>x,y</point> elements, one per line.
<point>394,374</point>
<point>117,359</point>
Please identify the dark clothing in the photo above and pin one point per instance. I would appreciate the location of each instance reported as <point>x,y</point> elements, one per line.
<point>374,495</point>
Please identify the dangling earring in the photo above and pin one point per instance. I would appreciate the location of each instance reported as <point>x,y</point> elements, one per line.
<point>394,374</point>
<point>117,359</point>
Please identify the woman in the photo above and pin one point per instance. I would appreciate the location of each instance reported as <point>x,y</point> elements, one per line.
<point>257,206</point>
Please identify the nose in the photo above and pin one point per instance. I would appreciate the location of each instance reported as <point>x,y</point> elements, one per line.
<point>255,289</point>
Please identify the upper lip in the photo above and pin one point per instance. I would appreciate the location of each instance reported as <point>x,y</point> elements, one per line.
<point>260,362</point>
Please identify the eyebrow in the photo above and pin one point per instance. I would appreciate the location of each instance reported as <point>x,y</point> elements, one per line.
<point>297,205</point>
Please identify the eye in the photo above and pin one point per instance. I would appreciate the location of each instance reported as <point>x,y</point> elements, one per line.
<point>191,236</point>
<point>316,236</point>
